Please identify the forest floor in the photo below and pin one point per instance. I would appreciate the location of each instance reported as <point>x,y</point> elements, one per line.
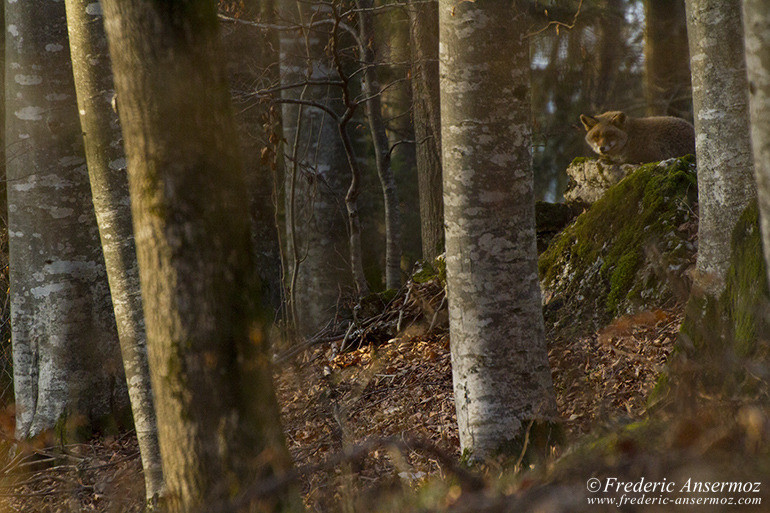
<point>392,401</point>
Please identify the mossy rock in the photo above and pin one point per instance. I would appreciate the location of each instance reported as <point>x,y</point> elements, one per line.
<point>628,251</point>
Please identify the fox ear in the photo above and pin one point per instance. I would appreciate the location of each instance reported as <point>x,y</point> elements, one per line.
<point>588,121</point>
<point>619,119</point>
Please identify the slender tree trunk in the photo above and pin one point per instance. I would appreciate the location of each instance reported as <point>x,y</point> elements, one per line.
<point>666,59</point>
<point>316,171</point>
<point>65,345</point>
<point>502,380</point>
<point>382,153</point>
<point>723,145</point>
<point>109,188</point>
<point>218,420</point>
<point>610,46</point>
<point>394,54</point>
<point>756,19</point>
<point>423,22</point>
<point>248,68</point>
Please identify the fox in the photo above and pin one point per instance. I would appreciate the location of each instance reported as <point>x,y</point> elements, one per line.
<point>621,139</point>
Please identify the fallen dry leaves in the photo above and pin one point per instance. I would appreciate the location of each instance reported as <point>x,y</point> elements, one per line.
<point>335,400</point>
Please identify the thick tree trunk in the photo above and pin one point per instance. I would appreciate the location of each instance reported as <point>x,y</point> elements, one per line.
<point>723,145</point>
<point>371,90</point>
<point>218,420</point>
<point>756,20</point>
<point>109,188</point>
<point>316,172</point>
<point>423,22</point>
<point>499,362</point>
<point>65,343</point>
<point>666,59</point>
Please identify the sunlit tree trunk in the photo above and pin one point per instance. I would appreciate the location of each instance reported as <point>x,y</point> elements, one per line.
<point>316,174</point>
<point>382,153</point>
<point>109,188</point>
<point>423,22</point>
<point>722,143</point>
<point>756,20</point>
<point>500,369</point>
<point>66,354</point>
<point>218,420</point>
<point>666,59</point>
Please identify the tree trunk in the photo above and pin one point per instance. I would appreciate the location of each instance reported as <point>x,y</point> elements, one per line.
<point>423,22</point>
<point>316,171</point>
<point>371,90</point>
<point>756,20</point>
<point>249,67</point>
<point>65,345</point>
<point>218,420</point>
<point>666,59</point>
<point>723,145</point>
<point>610,48</point>
<point>109,188</point>
<point>502,380</point>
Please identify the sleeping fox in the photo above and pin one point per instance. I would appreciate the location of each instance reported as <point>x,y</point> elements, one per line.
<point>626,140</point>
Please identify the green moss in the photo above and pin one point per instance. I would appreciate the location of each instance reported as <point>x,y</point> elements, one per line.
<point>579,160</point>
<point>722,334</point>
<point>622,278</point>
<point>644,208</point>
<point>431,270</point>
<point>388,295</point>
<point>746,292</point>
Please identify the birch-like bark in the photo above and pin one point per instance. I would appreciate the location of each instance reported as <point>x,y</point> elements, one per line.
<point>499,362</point>
<point>722,139</point>
<point>218,419</point>
<point>423,23</point>
<point>667,87</point>
<point>109,189</point>
<point>65,345</point>
<point>316,174</point>
<point>756,20</point>
<point>382,153</point>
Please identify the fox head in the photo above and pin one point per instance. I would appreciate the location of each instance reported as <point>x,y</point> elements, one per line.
<point>606,133</point>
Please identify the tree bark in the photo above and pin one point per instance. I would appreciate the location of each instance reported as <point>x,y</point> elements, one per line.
<point>109,189</point>
<point>66,354</point>
<point>423,22</point>
<point>249,67</point>
<point>610,51</point>
<point>756,20</point>
<point>666,59</point>
<point>499,362</point>
<point>316,170</point>
<point>382,153</point>
<point>722,143</point>
<point>218,420</point>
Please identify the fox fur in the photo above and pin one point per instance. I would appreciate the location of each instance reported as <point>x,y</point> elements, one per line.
<point>621,139</point>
